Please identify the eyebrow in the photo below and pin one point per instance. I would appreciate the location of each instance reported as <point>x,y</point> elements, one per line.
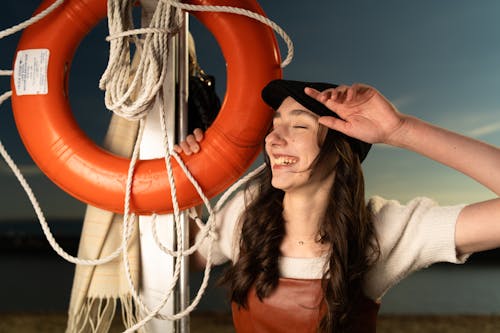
<point>297,112</point>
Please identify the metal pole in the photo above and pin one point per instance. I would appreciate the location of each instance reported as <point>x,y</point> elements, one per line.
<point>182,127</point>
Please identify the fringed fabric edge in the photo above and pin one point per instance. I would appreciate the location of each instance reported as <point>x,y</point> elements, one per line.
<point>97,314</point>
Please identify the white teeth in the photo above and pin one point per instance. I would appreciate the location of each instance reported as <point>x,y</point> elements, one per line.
<point>282,160</point>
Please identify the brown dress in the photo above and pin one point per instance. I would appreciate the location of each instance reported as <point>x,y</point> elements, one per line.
<point>295,306</point>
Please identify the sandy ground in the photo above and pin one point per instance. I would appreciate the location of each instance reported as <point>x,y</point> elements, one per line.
<point>221,323</point>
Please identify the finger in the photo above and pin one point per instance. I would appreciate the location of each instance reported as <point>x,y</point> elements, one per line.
<point>361,93</point>
<point>311,92</point>
<point>177,149</point>
<point>350,94</point>
<point>193,144</point>
<point>320,96</point>
<point>341,94</point>
<point>327,95</point>
<point>335,124</point>
<point>185,148</point>
<point>198,134</point>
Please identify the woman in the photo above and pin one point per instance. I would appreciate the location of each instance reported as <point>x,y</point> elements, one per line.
<point>308,253</point>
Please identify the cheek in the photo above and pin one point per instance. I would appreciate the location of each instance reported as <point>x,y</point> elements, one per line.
<point>312,146</point>
<point>314,153</point>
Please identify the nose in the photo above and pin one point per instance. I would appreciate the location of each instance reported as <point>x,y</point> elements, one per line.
<point>275,137</point>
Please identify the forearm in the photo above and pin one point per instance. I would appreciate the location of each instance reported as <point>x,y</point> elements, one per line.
<point>474,158</point>
<point>197,261</point>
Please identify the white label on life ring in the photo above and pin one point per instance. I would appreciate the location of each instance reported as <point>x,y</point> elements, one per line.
<point>30,72</point>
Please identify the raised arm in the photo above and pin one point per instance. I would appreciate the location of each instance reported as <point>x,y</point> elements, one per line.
<point>474,158</point>
<point>369,116</point>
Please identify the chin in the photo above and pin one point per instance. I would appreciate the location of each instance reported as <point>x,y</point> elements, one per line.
<point>286,183</point>
<point>286,186</point>
<point>279,184</point>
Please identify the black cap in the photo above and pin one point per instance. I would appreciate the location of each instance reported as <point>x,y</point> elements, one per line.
<point>277,90</point>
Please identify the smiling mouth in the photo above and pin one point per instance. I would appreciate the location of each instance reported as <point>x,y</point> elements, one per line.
<point>285,160</point>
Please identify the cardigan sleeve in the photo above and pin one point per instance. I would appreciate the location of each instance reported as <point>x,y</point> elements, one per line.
<point>227,229</point>
<point>411,237</point>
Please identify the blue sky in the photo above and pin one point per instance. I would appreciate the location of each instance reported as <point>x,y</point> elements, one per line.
<point>436,60</point>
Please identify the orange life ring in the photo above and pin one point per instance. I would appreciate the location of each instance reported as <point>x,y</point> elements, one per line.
<point>89,173</point>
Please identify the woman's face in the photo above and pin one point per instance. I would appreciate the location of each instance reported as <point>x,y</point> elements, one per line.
<point>292,145</point>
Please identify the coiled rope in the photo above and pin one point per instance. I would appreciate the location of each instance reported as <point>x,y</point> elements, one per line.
<point>132,98</point>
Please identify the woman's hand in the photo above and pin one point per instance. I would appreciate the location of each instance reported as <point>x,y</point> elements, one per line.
<point>192,143</point>
<point>364,113</point>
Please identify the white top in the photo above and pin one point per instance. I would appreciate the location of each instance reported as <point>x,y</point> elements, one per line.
<point>411,237</point>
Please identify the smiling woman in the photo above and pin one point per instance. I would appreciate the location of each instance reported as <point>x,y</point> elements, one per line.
<point>302,226</point>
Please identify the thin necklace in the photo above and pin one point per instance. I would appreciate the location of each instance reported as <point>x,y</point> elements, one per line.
<point>317,240</point>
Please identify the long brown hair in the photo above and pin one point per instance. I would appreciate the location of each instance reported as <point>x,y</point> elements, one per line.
<point>346,226</point>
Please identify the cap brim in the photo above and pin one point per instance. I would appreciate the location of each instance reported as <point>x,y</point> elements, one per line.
<point>276,91</point>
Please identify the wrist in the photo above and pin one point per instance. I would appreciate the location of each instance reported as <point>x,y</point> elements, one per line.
<point>402,131</point>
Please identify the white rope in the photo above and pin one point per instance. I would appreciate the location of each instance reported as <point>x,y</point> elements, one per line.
<point>18,174</point>
<point>41,217</point>
<point>36,18</point>
<point>5,96</point>
<point>141,31</point>
<point>243,12</point>
<point>43,222</point>
<point>155,312</point>
<point>236,185</point>
<point>39,213</point>
<point>132,98</point>
<point>191,307</point>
